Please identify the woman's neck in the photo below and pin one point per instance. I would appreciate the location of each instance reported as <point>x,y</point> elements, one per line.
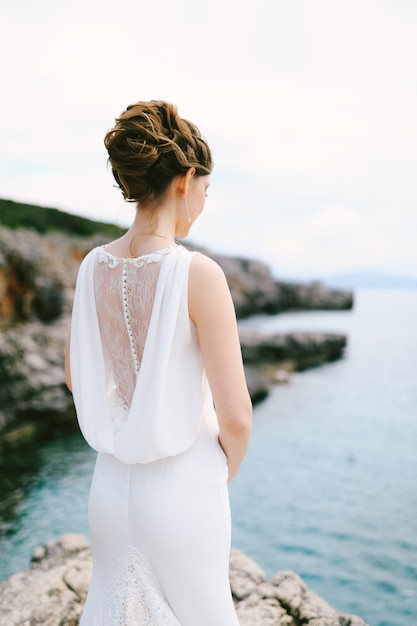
<point>150,231</point>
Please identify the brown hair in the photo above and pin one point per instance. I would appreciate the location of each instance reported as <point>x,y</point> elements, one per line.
<point>149,146</point>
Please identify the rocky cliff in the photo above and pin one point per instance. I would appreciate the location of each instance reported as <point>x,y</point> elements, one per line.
<point>270,359</point>
<point>255,290</point>
<point>53,590</point>
<point>37,278</point>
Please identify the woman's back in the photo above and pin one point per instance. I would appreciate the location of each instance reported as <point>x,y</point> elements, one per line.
<point>150,329</point>
<point>138,380</point>
<point>124,290</point>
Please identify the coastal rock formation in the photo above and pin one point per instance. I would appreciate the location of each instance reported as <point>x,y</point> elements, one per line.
<point>29,283</point>
<point>53,590</point>
<point>302,350</point>
<point>32,377</point>
<point>255,290</point>
<point>32,364</point>
<point>269,358</point>
<point>38,273</point>
<point>283,600</point>
<point>37,278</point>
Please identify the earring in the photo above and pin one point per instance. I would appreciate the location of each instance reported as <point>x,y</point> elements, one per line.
<point>190,221</point>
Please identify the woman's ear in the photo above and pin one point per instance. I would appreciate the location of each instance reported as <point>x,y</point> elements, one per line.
<point>184,181</point>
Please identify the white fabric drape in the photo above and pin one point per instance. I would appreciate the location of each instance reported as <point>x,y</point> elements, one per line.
<point>171,388</point>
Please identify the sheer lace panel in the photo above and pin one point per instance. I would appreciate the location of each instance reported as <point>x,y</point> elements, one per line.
<point>135,597</point>
<point>124,294</point>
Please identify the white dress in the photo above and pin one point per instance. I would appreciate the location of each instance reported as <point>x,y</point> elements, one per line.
<point>158,510</point>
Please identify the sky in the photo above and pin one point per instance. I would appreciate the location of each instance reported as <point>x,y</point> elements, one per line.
<point>309,107</point>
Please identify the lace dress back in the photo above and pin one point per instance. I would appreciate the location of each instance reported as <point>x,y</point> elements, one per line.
<point>124,292</point>
<point>138,381</point>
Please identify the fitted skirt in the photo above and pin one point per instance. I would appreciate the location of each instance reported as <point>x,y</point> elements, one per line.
<point>161,540</point>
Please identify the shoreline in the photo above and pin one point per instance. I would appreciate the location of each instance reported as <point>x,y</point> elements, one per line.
<point>53,590</point>
<point>37,280</point>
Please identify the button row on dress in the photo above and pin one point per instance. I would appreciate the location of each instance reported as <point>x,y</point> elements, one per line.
<point>128,324</point>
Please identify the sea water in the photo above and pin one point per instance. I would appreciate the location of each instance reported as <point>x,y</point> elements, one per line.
<point>329,485</point>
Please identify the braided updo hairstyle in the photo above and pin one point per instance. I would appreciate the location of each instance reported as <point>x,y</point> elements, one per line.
<point>149,146</point>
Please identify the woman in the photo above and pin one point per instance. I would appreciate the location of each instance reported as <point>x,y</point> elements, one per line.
<point>153,343</point>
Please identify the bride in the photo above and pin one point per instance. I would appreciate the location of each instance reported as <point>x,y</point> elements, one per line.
<point>155,367</point>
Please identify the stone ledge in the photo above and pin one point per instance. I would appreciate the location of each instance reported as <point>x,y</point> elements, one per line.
<point>53,590</point>
<point>270,358</point>
<point>37,277</point>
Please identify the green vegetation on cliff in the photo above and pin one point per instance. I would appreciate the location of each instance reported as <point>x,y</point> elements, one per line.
<point>44,220</point>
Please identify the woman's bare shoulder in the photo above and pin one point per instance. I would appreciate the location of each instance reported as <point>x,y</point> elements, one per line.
<point>203,268</point>
<point>208,291</point>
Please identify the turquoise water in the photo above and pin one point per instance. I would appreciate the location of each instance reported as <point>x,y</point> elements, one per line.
<point>328,488</point>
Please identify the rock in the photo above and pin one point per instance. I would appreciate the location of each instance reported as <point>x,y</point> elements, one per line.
<point>37,276</point>
<point>37,279</point>
<point>285,599</point>
<point>254,290</point>
<point>305,606</point>
<point>311,296</point>
<point>298,350</point>
<point>282,376</point>
<point>32,364</point>
<point>52,591</point>
<point>269,359</point>
<point>251,284</point>
<point>38,272</point>
<point>258,381</point>
<point>32,370</point>
<point>29,283</point>
<point>245,575</point>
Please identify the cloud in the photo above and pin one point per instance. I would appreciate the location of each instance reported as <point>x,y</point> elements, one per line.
<point>338,239</point>
<point>309,108</point>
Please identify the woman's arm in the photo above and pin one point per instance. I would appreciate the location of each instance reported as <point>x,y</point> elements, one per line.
<point>211,309</point>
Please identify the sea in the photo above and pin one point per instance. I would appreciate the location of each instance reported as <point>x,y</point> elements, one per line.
<point>328,488</point>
